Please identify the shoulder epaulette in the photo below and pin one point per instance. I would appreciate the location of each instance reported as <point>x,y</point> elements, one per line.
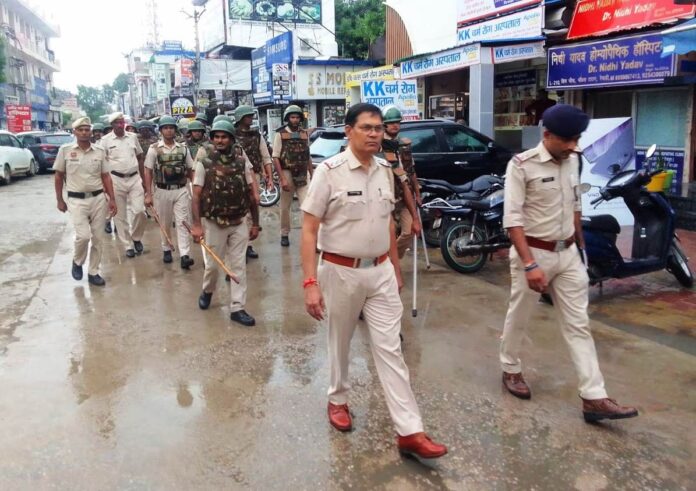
<point>521,157</point>
<point>383,162</point>
<point>336,161</point>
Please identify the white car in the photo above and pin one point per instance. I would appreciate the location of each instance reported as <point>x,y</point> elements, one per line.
<point>15,160</point>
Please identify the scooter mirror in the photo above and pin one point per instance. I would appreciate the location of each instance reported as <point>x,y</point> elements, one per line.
<point>585,187</point>
<point>651,151</point>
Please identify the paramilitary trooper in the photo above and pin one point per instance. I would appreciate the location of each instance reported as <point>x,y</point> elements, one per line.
<point>171,165</point>
<point>543,208</point>
<point>256,149</point>
<point>195,137</point>
<point>97,132</point>
<point>397,151</point>
<point>224,191</point>
<point>182,132</point>
<point>146,134</point>
<point>293,165</point>
<point>82,167</point>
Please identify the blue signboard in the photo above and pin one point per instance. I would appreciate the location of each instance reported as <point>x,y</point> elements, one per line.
<point>260,77</point>
<point>279,49</point>
<point>39,96</point>
<point>629,60</point>
<point>673,160</point>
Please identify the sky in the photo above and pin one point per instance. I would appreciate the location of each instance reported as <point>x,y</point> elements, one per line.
<point>96,34</point>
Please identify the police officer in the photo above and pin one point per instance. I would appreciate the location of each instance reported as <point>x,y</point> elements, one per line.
<point>542,215</point>
<point>171,165</point>
<point>125,158</point>
<point>397,151</point>
<point>146,134</point>
<point>348,214</point>
<point>292,162</point>
<point>223,193</point>
<point>97,132</point>
<point>81,166</point>
<point>196,137</point>
<point>256,149</point>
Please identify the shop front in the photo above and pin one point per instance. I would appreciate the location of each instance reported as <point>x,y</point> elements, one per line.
<point>271,70</point>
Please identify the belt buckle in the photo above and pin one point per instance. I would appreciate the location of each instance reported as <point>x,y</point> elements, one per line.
<point>363,263</point>
<point>559,246</point>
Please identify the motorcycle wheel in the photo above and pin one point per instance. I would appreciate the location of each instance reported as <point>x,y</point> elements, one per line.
<point>269,198</point>
<point>678,265</point>
<point>464,264</point>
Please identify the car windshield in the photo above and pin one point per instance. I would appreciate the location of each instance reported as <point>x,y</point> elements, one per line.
<point>325,147</point>
<point>56,139</point>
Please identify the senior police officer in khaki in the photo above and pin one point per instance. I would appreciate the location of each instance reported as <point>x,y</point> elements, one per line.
<point>542,215</point>
<point>125,158</point>
<point>81,166</point>
<point>348,214</point>
<point>168,164</point>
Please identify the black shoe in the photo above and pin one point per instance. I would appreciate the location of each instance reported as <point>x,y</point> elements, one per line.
<point>243,318</point>
<point>284,241</point>
<point>96,280</point>
<point>107,228</point>
<point>251,253</point>
<point>76,271</point>
<point>186,262</point>
<point>138,246</point>
<point>130,253</point>
<point>204,300</point>
<point>167,257</point>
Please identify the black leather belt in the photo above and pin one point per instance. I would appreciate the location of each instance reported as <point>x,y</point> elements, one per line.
<point>91,194</point>
<point>122,175</point>
<point>170,186</point>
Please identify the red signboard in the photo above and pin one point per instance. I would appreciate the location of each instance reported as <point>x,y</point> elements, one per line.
<point>599,17</point>
<point>18,118</point>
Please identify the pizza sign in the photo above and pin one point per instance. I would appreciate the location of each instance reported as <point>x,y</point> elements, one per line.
<point>182,106</point>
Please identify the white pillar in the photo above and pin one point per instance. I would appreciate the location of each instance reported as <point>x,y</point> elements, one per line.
<point>481,94</point>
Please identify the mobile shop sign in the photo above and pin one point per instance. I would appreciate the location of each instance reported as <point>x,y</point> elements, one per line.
<point>182,106</point>
<point>18,117</point>
<point>279,49</point>
<point>444,61</point>
<point>504,54</point>
<point>597,18</point>
<point>623,61</point>
<point>469,10</point>
<point>260,77</point>
<point>519,25</point>
<point>281,82</point>
<point>401,94</point>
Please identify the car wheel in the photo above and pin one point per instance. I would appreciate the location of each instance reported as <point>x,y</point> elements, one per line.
<point>6,174</point>
<point>32,169</point>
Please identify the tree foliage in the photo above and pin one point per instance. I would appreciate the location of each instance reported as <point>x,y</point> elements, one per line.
<point>358,24</point>
<point>108,93</point>
<point>91,100</point>
<point>120,84</point>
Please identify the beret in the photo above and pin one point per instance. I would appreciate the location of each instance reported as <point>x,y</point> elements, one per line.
<point>85,121</point>
<point>565,120</point>
<point>114,116</point>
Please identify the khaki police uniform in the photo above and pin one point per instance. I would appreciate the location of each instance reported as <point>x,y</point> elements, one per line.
<point>542,196</point>
<point>286,196</point>
<point>128,186</point>
<point>172,201</point>
<point>355,208</point>
<point>228,243</point>
<point>83,175</point>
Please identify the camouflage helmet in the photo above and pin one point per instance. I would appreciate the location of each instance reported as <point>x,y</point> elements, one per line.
<point>241,112</point>
<point>182,125</point>
<point>98,127</point>
<point>202,118</point>
<point>225,126</point>
<point>222,117</point>
<point>391,115</point>
<point>293,109</point>
<point>167,121</point>
<point>196,126</point>
<point>144,124</point>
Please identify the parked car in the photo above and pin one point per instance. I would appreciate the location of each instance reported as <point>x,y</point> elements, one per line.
<point>442,150</point>
<point>44,146</point>
<point>15,160</point>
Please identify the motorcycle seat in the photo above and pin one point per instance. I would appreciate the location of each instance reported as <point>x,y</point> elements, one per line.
<point>459,189</point>
<point>483,205</point>
<point>602,223</point>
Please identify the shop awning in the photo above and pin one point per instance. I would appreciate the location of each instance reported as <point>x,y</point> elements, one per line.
<point>680,39</point>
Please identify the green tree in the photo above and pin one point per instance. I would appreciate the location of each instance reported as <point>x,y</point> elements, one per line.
<point>108,94</point>
<point>91,99</point>
<point>358,24</point>
<point>120,84</point>
<point>67,118</point>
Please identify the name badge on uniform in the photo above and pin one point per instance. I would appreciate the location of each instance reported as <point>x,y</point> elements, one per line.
<point>354,193</point>
<point>548,179</point>
<point>73,154</point>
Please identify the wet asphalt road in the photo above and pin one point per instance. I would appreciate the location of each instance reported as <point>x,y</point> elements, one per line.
<point>132,387</point>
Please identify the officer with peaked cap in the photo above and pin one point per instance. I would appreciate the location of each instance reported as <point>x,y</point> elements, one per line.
<point>82,168</point>
<point>542,215</point>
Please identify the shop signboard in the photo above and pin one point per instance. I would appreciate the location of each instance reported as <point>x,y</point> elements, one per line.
<point>260,77</point>
<point>281,83</point>
<point>266,11</point>
<point>598,18</point>
<point>471,10</point>
<point>443,61</point>
<point>673,160</point>
<point>516,52</point>
<point>520,25</point>
<point>279,49</point>
<point>402,94</point>
<point>18,117</point>
<point>160,75</point>
<point>182,107</point>
<point>385,72</point>
<point>317,82</point>
<point>629,60</point>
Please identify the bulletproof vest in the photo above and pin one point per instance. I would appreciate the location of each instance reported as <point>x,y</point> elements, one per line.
<point>195,146</point>
<point>225,195</point>
<point>250,140</point>
<point>146,142</point>
<point>391,153</point>
<point>406,156</point>
<point>294,155</point>
<point>170,168</point>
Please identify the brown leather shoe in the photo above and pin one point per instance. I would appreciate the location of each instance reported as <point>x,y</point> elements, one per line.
<point>420,445</point>
<point>596,409</point>
<point>515,384</point>
<point>339,417</point>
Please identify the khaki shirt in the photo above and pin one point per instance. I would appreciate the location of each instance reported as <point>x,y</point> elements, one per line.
<point>199,169</point>
<point>122,152</point>
<point>541,195</point>
<point>263,148</point>
<point>83,169</point>
<point>151,156</point>
<point>354,205</point>
<point>278,142</point>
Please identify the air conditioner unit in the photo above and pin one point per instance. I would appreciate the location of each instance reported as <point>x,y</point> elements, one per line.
<point>308,45</point>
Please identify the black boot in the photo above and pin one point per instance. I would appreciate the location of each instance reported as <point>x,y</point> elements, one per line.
<point>284,241</point>
<point>130,253</point>
<point>251,253</point>
<point>186,262</point>
<point>76,271</point>
<point>96,280</point>
<point>243,318</point>
<point>138,246</point>
<point>107,228</point>
<point>204,300</point>
<point>167,257</point>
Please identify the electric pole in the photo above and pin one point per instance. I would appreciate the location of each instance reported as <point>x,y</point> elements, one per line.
<point>196,16</point>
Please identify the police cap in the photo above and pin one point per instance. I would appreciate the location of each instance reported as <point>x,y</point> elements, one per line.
<point>565,120</point>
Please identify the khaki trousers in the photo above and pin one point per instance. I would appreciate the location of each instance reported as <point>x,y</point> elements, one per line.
<point>405,220</point>
<point>130,197</point>
<point>568,286</point>
<point>89,218</point>
<point>373,290</point>
<point>174,203</point>
<point>286,202</point>
<point>229,244</point>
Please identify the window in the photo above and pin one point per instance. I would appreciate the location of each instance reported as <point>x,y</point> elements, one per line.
<point>459,140</point>
<point>661,118</point>
<point>422,141</point>
<point>612,104</point>
<point>5,141</point>
<point>14,142</point>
